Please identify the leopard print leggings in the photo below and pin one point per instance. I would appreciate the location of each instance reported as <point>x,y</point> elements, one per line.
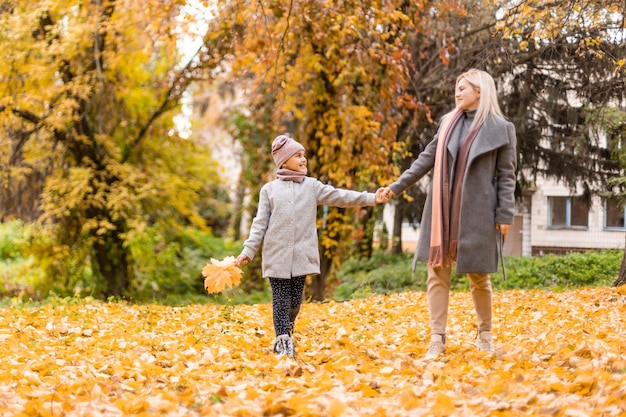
<point>286,301</point>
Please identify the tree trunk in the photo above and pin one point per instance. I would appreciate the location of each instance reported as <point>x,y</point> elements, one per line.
<point>238,210</point>
<point>319,281</point>
<point>621,279</point>
<point>396,239</point>
<point>111,260</point>
<point>365,240</point>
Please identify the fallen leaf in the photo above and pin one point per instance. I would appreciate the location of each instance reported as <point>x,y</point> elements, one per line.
<point>221,274</point>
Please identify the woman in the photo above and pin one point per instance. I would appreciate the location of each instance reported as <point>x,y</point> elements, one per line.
<point>470,201</point>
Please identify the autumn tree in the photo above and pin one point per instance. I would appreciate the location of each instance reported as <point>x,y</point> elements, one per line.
<point>333,75</point>
<point>313,74</point>
<point>614,125</point>
<point>573,85</point>
<point>89,91</point>
<point>555,65</point>
<point>252,128</point>
<point>565,65</point>
<point>444,38</point>
<point>621,277</point>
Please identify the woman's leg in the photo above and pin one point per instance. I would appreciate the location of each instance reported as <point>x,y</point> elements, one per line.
<point>480,285</point>
<point>438,286</point>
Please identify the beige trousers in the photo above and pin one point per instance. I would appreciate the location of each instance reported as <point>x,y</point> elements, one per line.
<point>438,287</point>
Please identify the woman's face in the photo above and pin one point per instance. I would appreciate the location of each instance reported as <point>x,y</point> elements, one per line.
<point>297,162</point>
<point>467,97</point>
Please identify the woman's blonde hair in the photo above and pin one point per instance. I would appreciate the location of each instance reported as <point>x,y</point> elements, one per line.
<point>488,101</point>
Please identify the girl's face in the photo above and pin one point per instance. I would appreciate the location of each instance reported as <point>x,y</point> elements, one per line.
<point>467,97</point>
<point>296,163</point>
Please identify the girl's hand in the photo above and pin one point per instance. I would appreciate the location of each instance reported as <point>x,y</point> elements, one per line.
<point>242,260</point>
<point>383,194</point>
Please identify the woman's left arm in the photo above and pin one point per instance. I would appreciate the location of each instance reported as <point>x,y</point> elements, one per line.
<point>506,164</point>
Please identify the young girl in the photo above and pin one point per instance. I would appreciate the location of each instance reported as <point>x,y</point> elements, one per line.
<point>285,224</point>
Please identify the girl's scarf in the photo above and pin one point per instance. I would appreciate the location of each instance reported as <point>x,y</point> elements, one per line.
<point>289,175</point>
<point>445,216</point>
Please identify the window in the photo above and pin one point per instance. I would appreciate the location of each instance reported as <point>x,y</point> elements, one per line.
<point>568,212</point>
<point>614,214</point>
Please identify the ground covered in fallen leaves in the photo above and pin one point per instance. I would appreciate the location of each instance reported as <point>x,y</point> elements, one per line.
<point>560,354</point>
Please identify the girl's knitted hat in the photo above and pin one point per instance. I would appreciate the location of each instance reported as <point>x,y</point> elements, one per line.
<point>284,148</point>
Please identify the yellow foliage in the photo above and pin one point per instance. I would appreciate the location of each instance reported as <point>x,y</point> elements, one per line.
<point>90,92</point>
<point>558,354</point>
<point>532,21</point>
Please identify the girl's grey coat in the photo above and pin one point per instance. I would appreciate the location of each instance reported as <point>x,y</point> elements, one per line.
<point>488,195</point>
<point>285,224</point>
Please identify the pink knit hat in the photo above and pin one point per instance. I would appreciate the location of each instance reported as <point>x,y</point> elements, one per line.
<point>284,148</point>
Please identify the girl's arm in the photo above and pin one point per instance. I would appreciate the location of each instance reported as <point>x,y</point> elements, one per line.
<point>339,197</point>
<point>258,228</point>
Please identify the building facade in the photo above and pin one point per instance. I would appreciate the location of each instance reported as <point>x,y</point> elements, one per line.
<point>550,218</point>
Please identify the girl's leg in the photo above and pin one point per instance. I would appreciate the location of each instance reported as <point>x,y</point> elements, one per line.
<point>297,291</point>
<point>281,299</point>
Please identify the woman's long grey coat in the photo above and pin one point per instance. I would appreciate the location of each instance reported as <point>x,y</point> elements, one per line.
<point>488,195</point>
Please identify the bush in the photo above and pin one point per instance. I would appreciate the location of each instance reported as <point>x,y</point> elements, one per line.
<point>167,270</point>
<point>385,273</point>
<point>18,271</point>
<point>11,234</point>
<point>556,272</point>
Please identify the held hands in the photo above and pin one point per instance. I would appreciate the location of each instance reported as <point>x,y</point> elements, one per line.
<point>383,194</point>
<point>241,260</point>
<point>503,229</point>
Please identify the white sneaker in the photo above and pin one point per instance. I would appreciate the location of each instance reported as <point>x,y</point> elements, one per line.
<point>284,346</point>
<point>485,343</point>
<point>437,346</point>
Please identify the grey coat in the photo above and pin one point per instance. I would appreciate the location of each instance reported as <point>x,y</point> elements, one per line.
<point>285,223</point>
<point>488,195</point>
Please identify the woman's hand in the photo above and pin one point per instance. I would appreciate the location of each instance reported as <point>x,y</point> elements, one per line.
<point>503,229</point>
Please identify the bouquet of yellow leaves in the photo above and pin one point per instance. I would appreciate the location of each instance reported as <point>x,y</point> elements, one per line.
<point>220,274</point>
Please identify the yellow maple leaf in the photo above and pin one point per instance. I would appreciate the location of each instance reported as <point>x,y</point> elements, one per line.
<point>221,274</point>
